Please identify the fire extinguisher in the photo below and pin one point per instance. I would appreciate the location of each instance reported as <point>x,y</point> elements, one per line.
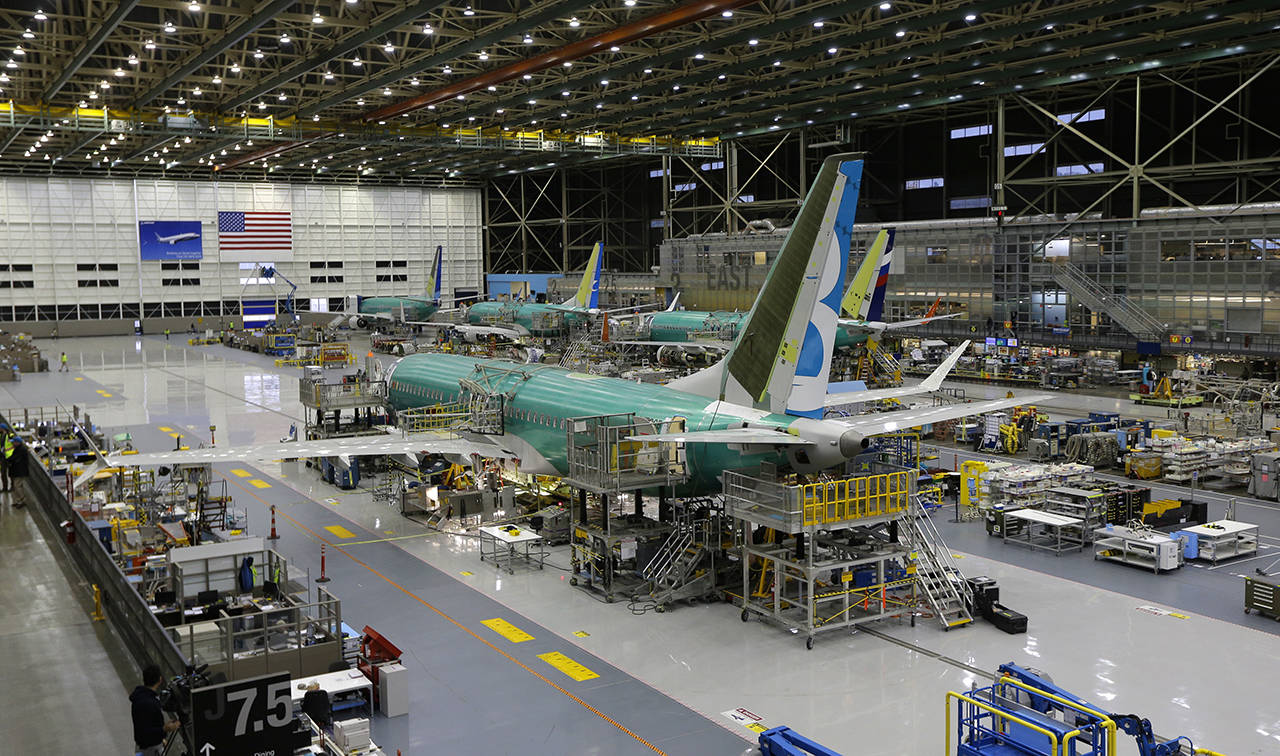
<point>69,531</point>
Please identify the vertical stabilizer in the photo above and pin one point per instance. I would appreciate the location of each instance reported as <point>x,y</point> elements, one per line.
<point>780,360</point>
<point>434,276</point>
<point>588,295</point>
<point>858,299</point>
<point>875,311</point>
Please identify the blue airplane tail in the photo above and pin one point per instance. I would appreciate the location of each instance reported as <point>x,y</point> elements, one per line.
<point>876,310</point>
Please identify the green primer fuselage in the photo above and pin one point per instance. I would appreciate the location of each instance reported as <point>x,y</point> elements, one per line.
<point>417,310</point>
<point>679,325</point>
<point>537,319</point>
<point>543,397</point>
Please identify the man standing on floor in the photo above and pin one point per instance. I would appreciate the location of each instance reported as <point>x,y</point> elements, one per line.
<point>6,439</point>
<point>17,459</point>
<point>64,368</point>
<point>149,725</point>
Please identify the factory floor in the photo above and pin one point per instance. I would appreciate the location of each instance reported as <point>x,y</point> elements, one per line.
<point>665,682</point>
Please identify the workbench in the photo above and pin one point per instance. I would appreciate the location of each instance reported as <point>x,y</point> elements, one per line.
<point>1142,548</point>
<point>340,686</point>
<point>1224,539</point>
<point>1045,530</point>
<point>502,546</point>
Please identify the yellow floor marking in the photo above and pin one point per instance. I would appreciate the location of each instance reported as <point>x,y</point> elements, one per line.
<point>175,435</point>
<point>241,473</point>
<point>468,574</point>
<point>389,532</point>
<point>78,378</point>
<point>756,727</point>
<point>259,483</point>
<point>340,531</point>
<point>166,429</point>
<point>574,670</point>
<point>582,633</point>
<point>507,630</point>
<point>105,394</point>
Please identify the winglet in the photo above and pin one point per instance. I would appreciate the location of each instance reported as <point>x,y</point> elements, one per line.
<point>935,379</point>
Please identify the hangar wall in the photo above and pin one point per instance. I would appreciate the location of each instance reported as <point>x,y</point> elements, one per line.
<point>69,248</point>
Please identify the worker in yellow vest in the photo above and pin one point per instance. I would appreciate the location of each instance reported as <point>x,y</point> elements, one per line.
<point>6,438</point>
<point>64,368</point>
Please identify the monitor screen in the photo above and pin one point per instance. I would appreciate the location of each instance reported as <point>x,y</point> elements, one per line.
<point>206,597</point>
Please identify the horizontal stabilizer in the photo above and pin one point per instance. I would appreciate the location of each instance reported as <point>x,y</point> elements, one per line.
<point>932,383</point>
<point>920,321</point>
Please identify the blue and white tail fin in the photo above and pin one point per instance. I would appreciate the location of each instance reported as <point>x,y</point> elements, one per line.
<point>435,275</point>
<point>588,295</point>
<point>780,360</point>
<point>875,310</point>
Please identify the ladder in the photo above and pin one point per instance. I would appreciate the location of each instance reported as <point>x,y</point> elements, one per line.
<point>573,354</point>
<point>890,370</point>
<point>673,572</point>
<point>938,576</point>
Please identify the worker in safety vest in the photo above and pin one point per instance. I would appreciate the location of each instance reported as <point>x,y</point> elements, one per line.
<point>64,368</point>
<point>6,438</point>
<point>166,334</point>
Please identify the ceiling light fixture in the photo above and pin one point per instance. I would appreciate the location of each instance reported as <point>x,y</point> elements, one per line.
<point>40,16</point>
<point>971,17</point>
<point>832,51</point>
<point>258,55</point>
<point>615,48</point>
<point>568,64</point>
<point>386,91</point>
<point>197,92</point>
<point>818,24</point>
<point>281,97</point>
<point>468,11</point>
<point>360,101</point>
<point>316,18</point>
<point>885,6</point>
<point>753,42</point>
<point>194,7</point>
<point>19,51</point>
<point>528,40</point>
<point>328,75</point>
<point>235,68</point>
<point>119,72</point>
<point>182,100</point>
<point>284,38</point>
<point>426,29</point>
<point>357,62</point>
<point>900,33</point>
<point>698,56</point>
<point>574,22</point>
<point>388,48</point>
<point>28,34</point>
<point>484,55</point>
<point>169,28</point>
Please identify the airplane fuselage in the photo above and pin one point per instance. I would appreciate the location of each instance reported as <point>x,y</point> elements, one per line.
<point>177,238</point>
<point>536,319</point>
<point>543,397</point>
<point>680,325</point>
<point>414,309</point>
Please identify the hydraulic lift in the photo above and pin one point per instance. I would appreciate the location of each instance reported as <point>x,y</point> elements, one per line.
<point>1025,713</point>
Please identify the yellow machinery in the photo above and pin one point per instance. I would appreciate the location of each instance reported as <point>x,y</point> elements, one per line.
<point>971,471</point>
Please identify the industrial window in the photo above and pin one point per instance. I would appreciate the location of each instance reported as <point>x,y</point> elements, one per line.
<point>391,264</point>
<point>934,255</point>
<point>1088,115</point>
<point>392,278</point>
<point>657,223</point>
<point>323,264</point>
<point>91,283</point>
<point>1079,169</point>
<point>1023,149</point>
<point>179,266</point>
<point>970,203</point>
<point>925,183</point>
<point>690,186</point>
<point>326,279</point>
<point>714,165</point>
<point>179,282</point>
<point>745,198</point>
<point>971,131</point>
<point>658,173</point>
<point>97,266</point>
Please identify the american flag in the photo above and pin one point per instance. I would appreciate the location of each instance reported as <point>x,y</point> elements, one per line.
<point>251,232</point>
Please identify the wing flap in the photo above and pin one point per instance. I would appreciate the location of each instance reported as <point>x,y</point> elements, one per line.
<point>728,436</point>
<point>891,422</point>
<point>357,446</point>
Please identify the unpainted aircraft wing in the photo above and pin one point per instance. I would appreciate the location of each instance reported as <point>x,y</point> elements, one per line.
<point>890,422</point>
<point>487,330</point>
<point>721,345</point>
<point>932,383</point>
<point>762,436</point>
<point>920,321</point>
<point>391,443</point>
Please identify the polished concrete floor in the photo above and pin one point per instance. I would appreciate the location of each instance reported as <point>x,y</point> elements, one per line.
<point>665,680</point>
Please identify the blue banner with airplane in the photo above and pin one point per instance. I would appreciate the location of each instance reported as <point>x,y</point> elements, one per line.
<point>170,240</point>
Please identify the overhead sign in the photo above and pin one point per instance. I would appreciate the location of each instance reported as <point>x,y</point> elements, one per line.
<point>1061,331</point>
<point>170,240</point>
<point>253,716</point>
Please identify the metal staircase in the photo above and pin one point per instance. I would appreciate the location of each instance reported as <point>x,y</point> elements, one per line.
<point>573,355</point>
<point>938,577</point>
<point>674,572</point>
<point>1098,298</point>
<point>887,365</point>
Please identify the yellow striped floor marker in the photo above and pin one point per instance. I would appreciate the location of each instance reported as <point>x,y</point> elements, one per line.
<point>259,483</point>
<point>241,473</point>
<point>507,630</point>
<point>574,670</point>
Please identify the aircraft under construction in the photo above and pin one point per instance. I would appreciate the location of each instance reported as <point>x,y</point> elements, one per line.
<point>764,402</point>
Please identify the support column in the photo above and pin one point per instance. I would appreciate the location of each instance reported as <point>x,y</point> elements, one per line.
<point>1136,170</point>
<point>664,507</point>
<point>639,508</point>
<point>582,506</point>
<point>604,512</point>
<point>1000,169</point>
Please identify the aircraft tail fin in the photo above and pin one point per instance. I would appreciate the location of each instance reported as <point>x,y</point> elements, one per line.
<point>588,294</point>
<point>875,309</point>
<point>435,275</point>
<point>933,309</point>
<point>674,303</point>
<point>858,298</point>
<point>780,359</point>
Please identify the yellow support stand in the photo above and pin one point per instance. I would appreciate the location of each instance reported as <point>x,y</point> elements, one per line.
<point>970,472</point>
<point>97,615</point>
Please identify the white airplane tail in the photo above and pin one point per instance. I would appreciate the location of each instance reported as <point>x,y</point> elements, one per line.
<point>782,355</point>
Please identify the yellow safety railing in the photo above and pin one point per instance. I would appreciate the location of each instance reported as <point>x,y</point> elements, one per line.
<point>1107,723</point>
<point>1053,739</point>
<point>855,498</point>
<point>435,417</point>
